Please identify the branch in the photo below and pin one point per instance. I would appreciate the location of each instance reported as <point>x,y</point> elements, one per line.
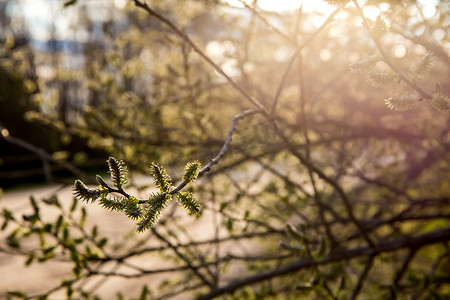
<point>386,57</point>
<point>186,38</point>
<point>386,246</point>
<point>43,154</point>
<point>294,57</point>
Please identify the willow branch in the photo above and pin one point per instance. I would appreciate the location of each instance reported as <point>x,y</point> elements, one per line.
<point>386,58</point>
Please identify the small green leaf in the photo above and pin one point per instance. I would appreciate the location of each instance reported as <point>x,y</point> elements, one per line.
<point>19,294</point>
<point>144,293</point>
<point>101,181</point>
<point>223,205</point>
<point>68,3</point>
<point>30,258</point>
<point>229,224</point>
<point>102,242</point>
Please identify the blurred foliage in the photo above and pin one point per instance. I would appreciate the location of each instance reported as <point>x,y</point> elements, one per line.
<point>341,192</point>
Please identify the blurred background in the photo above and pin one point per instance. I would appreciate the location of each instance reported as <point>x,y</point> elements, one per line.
<point>84,80</point>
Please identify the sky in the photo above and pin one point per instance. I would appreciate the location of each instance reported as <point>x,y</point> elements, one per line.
<point>43,14</point>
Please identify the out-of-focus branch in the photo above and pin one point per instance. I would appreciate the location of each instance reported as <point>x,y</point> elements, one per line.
<point>44,155</point>
<point>424,239</point>
<point>186,38</point>
<point>386,58</point>
<point>294,57</point>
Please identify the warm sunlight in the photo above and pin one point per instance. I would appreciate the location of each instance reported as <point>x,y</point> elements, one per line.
<point>285,5</point>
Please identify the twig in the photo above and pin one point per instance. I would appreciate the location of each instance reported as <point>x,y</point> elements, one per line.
<point>294,57</point>
<point>362,277</point>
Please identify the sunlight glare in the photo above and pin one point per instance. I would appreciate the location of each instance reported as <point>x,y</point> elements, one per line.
<point>286,5</point>
<point>325,55</point>
<point>120,4</point>
<point>371,12</point>
<point>399,51</point>
<point>429,11</point>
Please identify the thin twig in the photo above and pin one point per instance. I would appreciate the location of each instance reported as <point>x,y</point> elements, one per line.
<point>294,57</point>
<point>362,277</point>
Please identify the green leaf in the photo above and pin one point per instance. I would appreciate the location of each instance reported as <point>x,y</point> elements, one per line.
<point>12,240</point>
<point>53,200</point>
<point>19,294</point>
<point>102,242</point>
<point>30,259</point>
<point>229,224</point>
<point>68,3</point>
<point>35,205</point>
<point>145,293</point>
<point>223,205</point>
<point>59,223</point>
<point>94,232</point>
<point>101,181</point>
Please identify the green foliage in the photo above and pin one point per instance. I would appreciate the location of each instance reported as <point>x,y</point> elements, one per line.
<point>145,212</point>
<point>352,178</point>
